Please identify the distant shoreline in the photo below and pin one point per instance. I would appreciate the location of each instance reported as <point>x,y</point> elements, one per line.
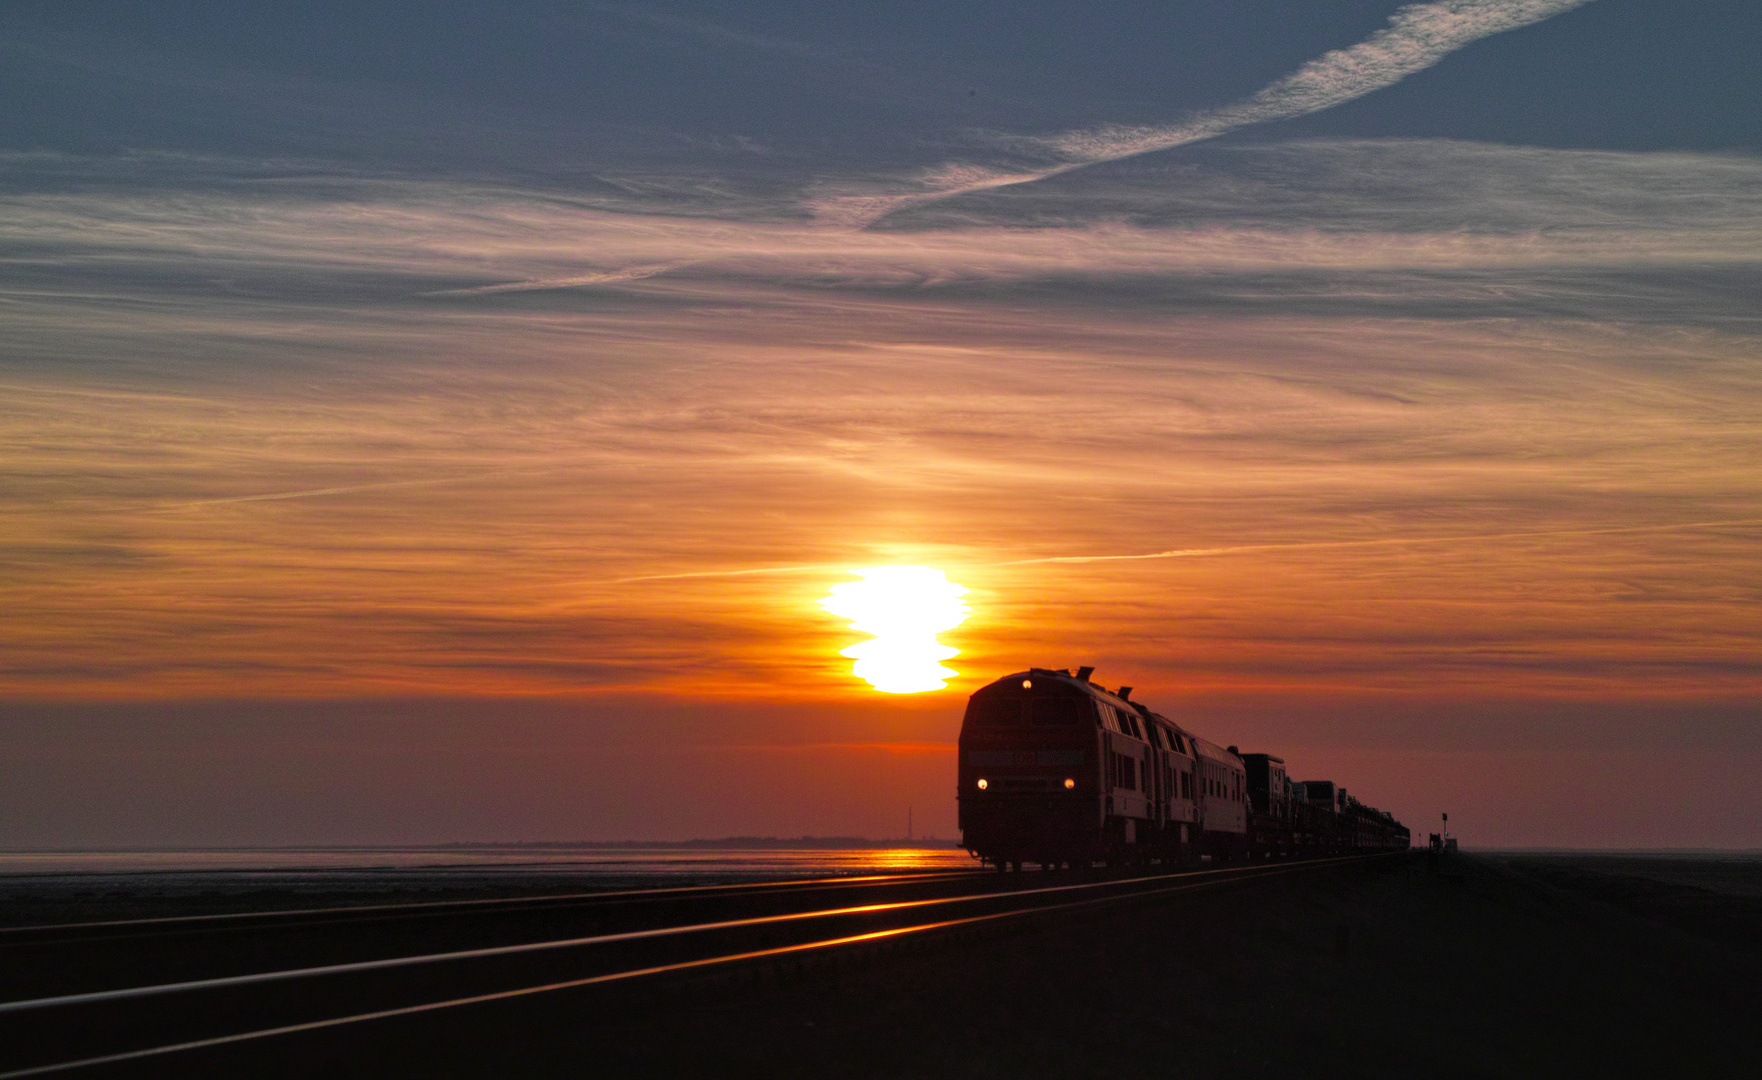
<point>744,842</point>
<point>760,843</point>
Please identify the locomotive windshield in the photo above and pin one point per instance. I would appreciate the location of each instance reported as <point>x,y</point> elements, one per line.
<point>1019,709</point>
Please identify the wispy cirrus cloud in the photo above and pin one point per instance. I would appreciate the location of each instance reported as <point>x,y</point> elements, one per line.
<point>359,432</point>
<point>563,509</point>
<point>1473,227</point>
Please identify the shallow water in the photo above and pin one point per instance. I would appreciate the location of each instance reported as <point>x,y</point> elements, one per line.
<point>621,862</point>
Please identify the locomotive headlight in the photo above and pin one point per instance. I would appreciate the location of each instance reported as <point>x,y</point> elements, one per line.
<point>1069,783</point>
<point>1027,684</point>
<point>983,783</point>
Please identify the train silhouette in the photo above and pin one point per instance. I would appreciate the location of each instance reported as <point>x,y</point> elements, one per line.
<point>1059,771</point>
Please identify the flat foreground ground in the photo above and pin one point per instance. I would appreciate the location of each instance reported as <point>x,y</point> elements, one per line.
<point>1483,966</point>
<point>1482,969</point>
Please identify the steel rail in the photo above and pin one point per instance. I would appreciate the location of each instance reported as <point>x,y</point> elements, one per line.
<point>1214,877</point>
<point>255,978</point>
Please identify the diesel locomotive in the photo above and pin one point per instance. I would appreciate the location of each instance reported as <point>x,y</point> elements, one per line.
<point>1057,770</point>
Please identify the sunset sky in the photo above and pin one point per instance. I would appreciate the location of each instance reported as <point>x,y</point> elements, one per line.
<point>439,421</point>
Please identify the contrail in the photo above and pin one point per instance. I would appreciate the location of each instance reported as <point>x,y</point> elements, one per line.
<point>725,573</point>
<point>1234,549</point>
<point>318,493</point>
<point>1418,36</point>
<point>603,277</point>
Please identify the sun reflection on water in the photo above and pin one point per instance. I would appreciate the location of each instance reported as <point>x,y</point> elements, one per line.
<point>903,608</point>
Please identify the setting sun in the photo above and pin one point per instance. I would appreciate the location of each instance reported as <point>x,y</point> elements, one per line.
<point>904,608</point>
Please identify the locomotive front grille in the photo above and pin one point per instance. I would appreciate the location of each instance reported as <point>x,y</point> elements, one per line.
<point>1026,783</point>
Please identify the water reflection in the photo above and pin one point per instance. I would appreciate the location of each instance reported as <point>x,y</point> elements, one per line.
<point>620,862</point>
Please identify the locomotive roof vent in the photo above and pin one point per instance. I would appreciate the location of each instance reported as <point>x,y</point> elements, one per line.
<point>1125,693</point>
<point>1083,673</point>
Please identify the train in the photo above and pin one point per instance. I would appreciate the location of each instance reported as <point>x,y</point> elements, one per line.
<point>1057,770</point>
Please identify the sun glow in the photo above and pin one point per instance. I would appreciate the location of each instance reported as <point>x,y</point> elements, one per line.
<point>903,608</point>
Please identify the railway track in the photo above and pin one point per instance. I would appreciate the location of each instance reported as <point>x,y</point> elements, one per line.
<point>70,958</point>
<point>241,979</point>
